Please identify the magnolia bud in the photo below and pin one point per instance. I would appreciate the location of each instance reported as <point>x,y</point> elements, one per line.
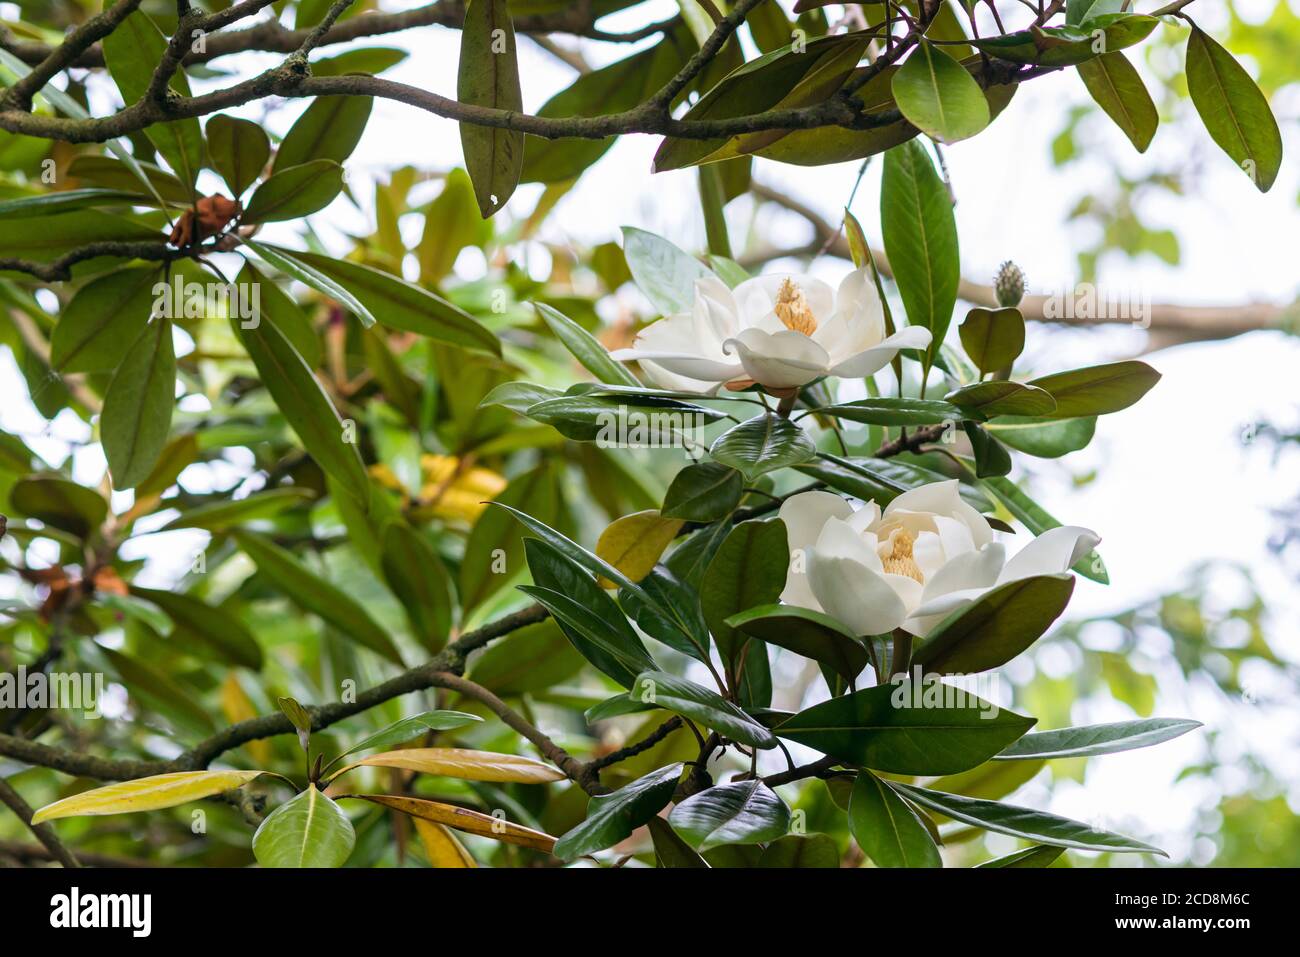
<point>1009,285</point>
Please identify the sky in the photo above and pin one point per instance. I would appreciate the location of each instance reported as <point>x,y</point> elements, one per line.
<point>1178,481</point>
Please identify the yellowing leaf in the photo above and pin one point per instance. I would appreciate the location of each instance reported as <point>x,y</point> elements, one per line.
<point>146,794</point>
<point>633,543</point>
<point>465,764</point>
<point>453,490</point>
<point>237,706</point>
<point>441,845</point>
<point>463,819</point>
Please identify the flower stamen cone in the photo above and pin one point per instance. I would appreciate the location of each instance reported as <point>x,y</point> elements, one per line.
<point>793,310</point>
<point>899,561</point>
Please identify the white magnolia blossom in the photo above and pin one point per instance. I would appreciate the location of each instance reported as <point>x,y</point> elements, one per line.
<point>779,331</point>
<point>926,555</point>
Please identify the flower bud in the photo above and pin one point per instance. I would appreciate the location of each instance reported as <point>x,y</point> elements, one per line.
<point>1009,285</point>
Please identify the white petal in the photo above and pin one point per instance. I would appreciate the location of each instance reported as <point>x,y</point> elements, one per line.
<point>805,514</point>
<point>781,360</point>
<point>717,318</point>
<point>839,540</point>
<point>977,569</point>
<point>1050,553</point>
<point>955,535</point>
<point>661,378</point>
<point>866,361</point>
<point>855,595</point>
<point>938,497</point>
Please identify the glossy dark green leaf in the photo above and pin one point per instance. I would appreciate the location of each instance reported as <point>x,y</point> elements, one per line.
<point>908,728</point>
<point>613,817</point>
<point>1097,390</point>
<point>670,849</point>
<point>239,150</point>
<point>417,576</point>
<point>763,444</point>
<point>104,318</point>
<point>294,192</point>
<point>894,411</point>
<point>308,410</point>
<point>41,204</point>
<point>991,459</point>
<point>1002,397</point>
<point>292,264</point>
<point>1023,822</point>
<point>47,238</point>
<point>1117,88</point>
<point>1094,739</point>
<point>704,492</point>
<point>489,77</point>
<point>287,573</point>
<point>993,338</point>
<point>920,236</point>
<point>138,406</point>
<point>1039,855</point>
<point>399,304</point>
<point>329,129</point>
<point>277,307</point>
<point>213,627</point>
<point>809,633</point>
<point>742,812</point>
<point>585,347</point>
<point>1233,109</point>
<point>815,850</point>
<point>60,502</point>
<point>1045,438</point>
<point>309,830</point>
<point>1070,44</point>
<point>701,705</point>
<point>939,97</point>
<point>888,831</point>
<point>748,570</point>
<point>664,273</point>
<point>1000,625</point>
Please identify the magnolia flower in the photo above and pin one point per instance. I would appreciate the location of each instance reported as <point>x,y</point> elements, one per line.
<point>925,556</point>
<point>779,331</point>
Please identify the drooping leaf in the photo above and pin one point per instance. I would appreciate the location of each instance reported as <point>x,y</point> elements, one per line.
<point>585,347</point>
<point>670,849</point>
<point>613,817</point>
<point>742,812</point>
<point>938,96</point>
<point>1117,88</point>
<point>805,632</point>
<point>417,576</point>
<point>60,502</point>
<point>138,406</point>
<point>702,705</point>
<point>239,150</point>
<point>993,338</point>
<point>489,77</point>
<point>213,627</point>
<point>308,831</point>
<point>292,264</point>
<point>294,192</point>
<point>748,570</point>
<point>662,271</point>
<point>329,129</point>
<point>907,728</point>
<point>887,830</point>
<point>441,846</point>
<point>103,319</point>
<point>704,492</point>
<point>763,444</point>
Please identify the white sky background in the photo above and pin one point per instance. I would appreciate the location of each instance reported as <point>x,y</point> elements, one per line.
<point>1176,486</point>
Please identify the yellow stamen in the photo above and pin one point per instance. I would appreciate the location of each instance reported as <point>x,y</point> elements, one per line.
<point>793,309</point>
<point>900,560</point>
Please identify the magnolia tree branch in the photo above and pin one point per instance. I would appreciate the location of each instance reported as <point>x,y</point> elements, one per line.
<point>43,832</point>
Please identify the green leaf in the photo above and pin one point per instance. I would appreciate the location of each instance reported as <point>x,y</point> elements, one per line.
<point>1045,438</point>
<point>294,192</point>
<point>417,576</point>
<point>402,305</point>
<point>894,411</point>
<point>670,849</point>
<point>704,492</point>
<point>664,273</point>
<point>742,812</point>
<point>489,77</point>
<point>132,53</point>
<point>815,850</point>
<point>1079,11</point>
<point>41,204</point>
<point>1002,397</point>
<point>938,96</point>
<point>585,347</point>
<point>104,318</point>
<point>408,728</point>
<point>887,830</point>
<point>308,831</point>
<point>329,129</point>
<point>1023,822</point>
<point>993,338</point>
<point>369,60</point>
<point>221,514</point>
<point>763,444</point>
<point>239,149</point>
<point>1094,739</point>
<point>748,570</point>
<point>60,502</point>
<point>1117,88</point>
<point>613,817</point>
<point>1000,625</point>
<point>920,236</point>
<point>494,551</point>
<point>1037,520</point>
<point>50,237</point>
<point>1097,390</point>
<point>809,633</point>
<point>1039,855</point>
<point>178,702</point>
<point>138,406</point>
<point>700,704</point>
<point>313,593</point>
<point>292,264</point>
<point>907,728</point>
<point>305,406</point>
<point>215,628</point>
<point>1233,109</point>
<point>991,458</point>
<point>287,316</point>
<point>1071,44</point>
